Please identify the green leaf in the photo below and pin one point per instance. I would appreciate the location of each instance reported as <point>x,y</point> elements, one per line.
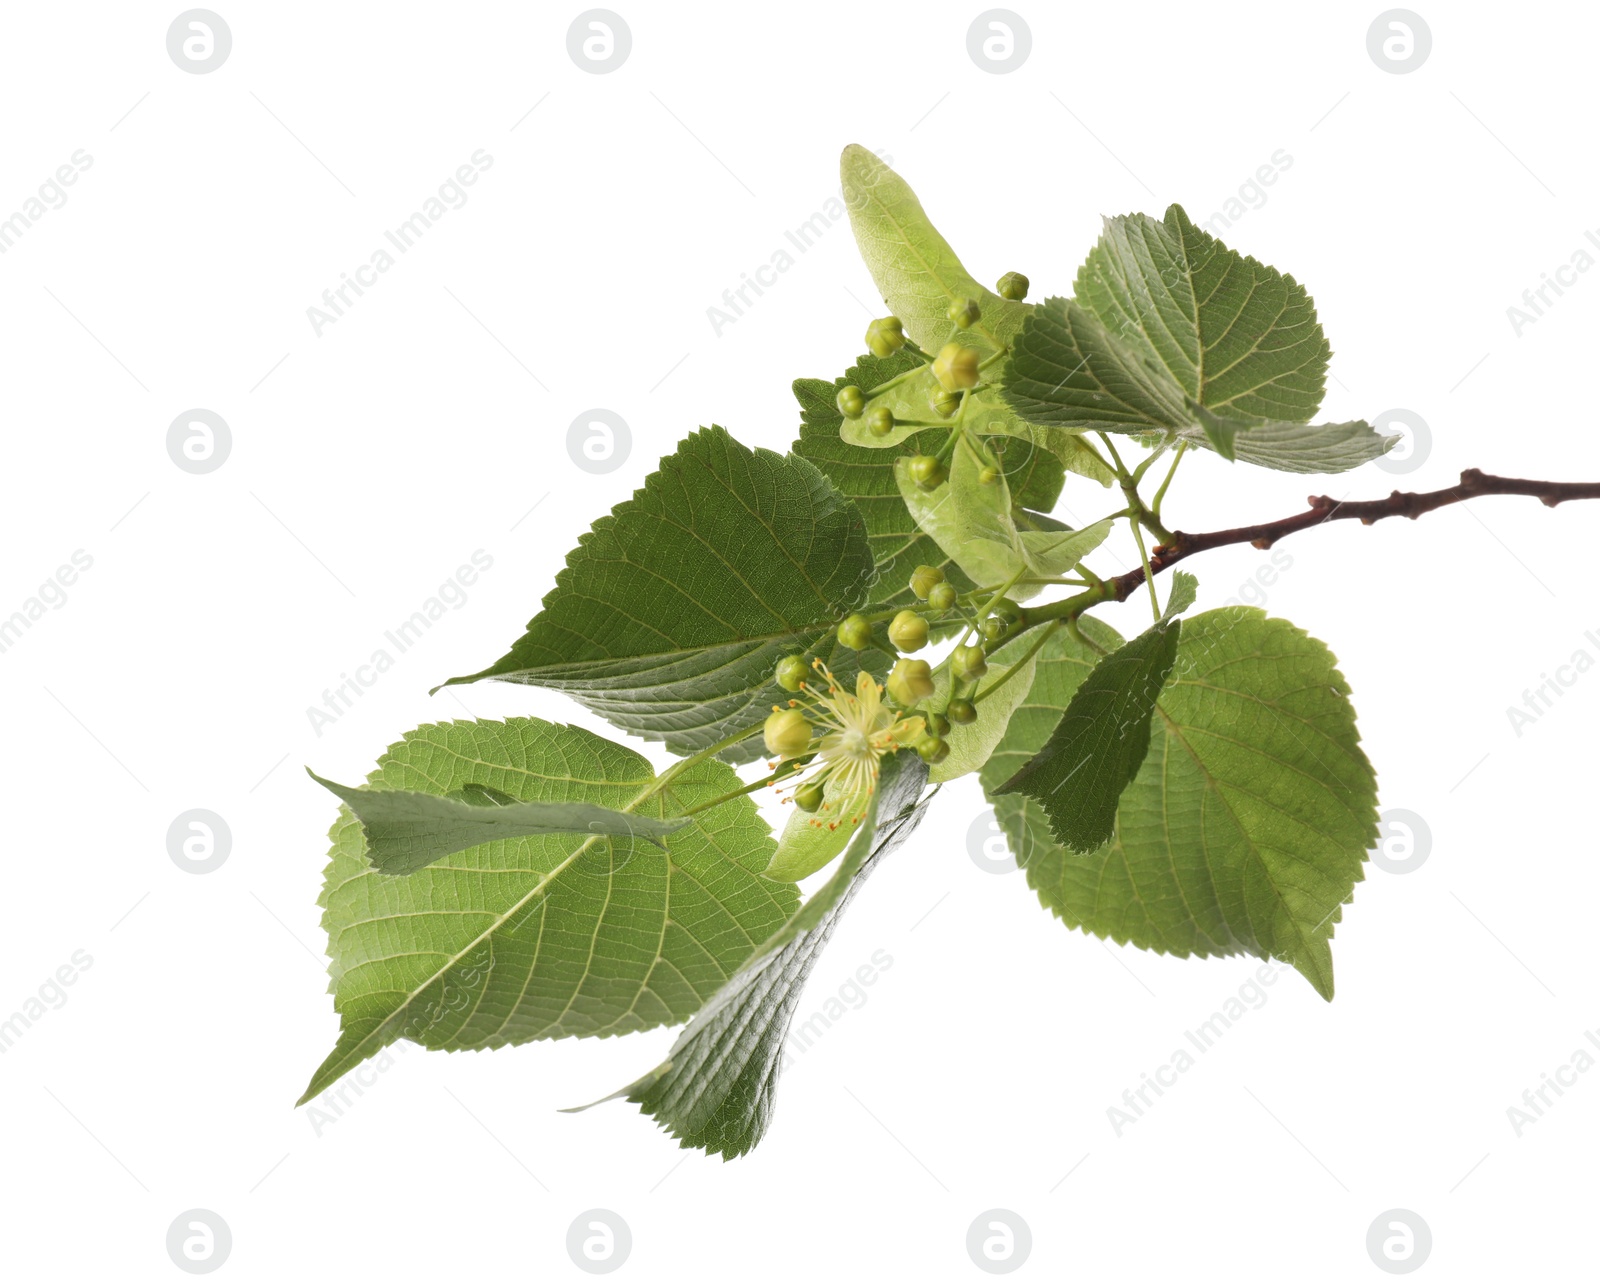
<point>1299,448</point>
<point>1100,742</point>
<point>1172,331</point>
<point>407,830</point>
<point>543,936</point>
<point>715,1090</point>
<point>914,268</point>
<point>974,523</point>
<point>672,612</point>
<point>865,476</point>
<point>1246,828</point>
<point>1185,589</point>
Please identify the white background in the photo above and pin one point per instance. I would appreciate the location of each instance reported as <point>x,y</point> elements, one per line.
<point>370,461</point>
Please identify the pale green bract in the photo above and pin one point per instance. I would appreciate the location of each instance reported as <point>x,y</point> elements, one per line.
<point>974,524</point>
<point>543,936</point>
<point>1246,828</point>
<point>914,268</point>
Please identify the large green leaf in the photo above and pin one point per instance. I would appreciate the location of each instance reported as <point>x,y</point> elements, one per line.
<point>1171,330</point>
<point>1246,828</point>
<point>914,268</point>
<point>866,476</point>
<point>1082,769</point>
<point>409,829</point>
<point>543,936</point>
<point>1299,448</point>
<point>715,1089</point>
<point>673,610</point>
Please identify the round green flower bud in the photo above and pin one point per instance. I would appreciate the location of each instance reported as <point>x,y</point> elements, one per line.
<point>962,711</point>
<point>1012,286</point>
<point>851,402</point>
<point>988,475</point>
<point>968,663</point>
<point>885,336</point>
<point>908,631</point>
<point>855,632</point>
<point>924,579</point>
<point>909,682</point>
<point>938,724</point>
<point>808,798</point>
<point>933,750</point>
<point>963,313</point>
<point>786,733</point>
<point>792,672</point>
<point>956,367</point>
<point>944,404</point>
<point>926,472</point>
<point>880,420</point>
<point>942,596</point>
<point>993,629</point>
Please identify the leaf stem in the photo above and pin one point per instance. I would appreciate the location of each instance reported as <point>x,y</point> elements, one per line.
<point>1012,670</point>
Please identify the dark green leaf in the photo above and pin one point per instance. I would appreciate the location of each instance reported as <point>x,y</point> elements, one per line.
<point>673,610</point>
<point>1100,742</point>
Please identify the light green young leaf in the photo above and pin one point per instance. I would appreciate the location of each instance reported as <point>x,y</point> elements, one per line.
<point>1099,744</point>
<point>1185,589</point>
<point>673,610</point>
<point>543,936</point>
<point>914,268</point>
<point>715,1090</point>
<point>407,830</point>
<point>1056,553</point>
<point>1245,830</point>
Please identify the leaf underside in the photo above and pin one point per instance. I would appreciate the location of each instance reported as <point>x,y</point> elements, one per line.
<point>1247,826</point>
<point>715,1090</point>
